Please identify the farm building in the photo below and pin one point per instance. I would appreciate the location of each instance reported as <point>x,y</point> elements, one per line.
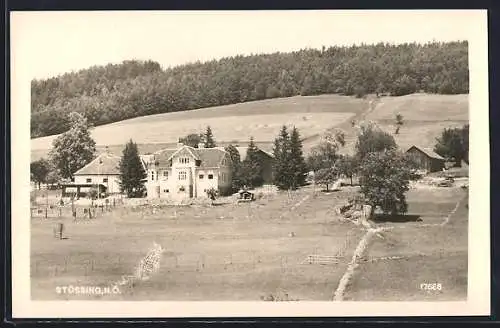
<point>426,159</point>
<point>103,171</point>
<point>267,161</point>
<point>187,172</point>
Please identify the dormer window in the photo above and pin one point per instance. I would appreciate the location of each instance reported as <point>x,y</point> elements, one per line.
<point>184,160</point>
<point>198,162</point>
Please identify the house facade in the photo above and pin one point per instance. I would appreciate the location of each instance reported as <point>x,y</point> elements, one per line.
<point>426,159</point>
<point>102,172</point>
<point>186,172</point>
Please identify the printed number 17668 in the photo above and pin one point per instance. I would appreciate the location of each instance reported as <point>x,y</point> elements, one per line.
<point>433,286</point>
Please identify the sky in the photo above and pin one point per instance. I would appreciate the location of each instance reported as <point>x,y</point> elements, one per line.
<point>52,43</point>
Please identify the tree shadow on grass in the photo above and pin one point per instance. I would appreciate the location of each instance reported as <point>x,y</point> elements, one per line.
<point>400,218</point>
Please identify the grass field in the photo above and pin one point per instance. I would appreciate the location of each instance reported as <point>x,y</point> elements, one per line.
<point>425,116</point>
<point>424,254</point>
<point>260,119</point>
<point>246,251</point>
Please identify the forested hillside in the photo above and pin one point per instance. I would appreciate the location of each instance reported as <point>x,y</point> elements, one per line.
<point>112,93</point>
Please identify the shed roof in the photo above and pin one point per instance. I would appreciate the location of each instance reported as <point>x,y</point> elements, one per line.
<point>428,152</point>
<point>104,164</point>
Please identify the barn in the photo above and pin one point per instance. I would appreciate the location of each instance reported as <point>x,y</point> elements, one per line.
<point>426,159</point>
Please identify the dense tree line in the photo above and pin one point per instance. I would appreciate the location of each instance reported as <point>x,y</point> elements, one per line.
<point>106,94</point>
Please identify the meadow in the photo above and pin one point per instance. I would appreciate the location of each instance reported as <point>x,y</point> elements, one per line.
<point>413,253</point>
<point>252,250</point>
<point>260,119</point>
<point>425,116</point>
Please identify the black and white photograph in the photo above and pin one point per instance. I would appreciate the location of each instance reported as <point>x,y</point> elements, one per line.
<point>279,161</point>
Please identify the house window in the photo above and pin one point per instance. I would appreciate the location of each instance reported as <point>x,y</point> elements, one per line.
<point>105,180</point>
<point>165,190</point>
<point>184,160</point>
<point>201,176</point>
<point>152,175</point>
<point>182,175</point>
<point>165,174</point>
<point>210,176</point>
<point>89,180</point>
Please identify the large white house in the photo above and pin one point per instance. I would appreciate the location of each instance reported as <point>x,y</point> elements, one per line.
<point>187,172</point>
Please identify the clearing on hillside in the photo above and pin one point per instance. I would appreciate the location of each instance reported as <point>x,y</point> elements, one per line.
<point>425,116</point>
<point>260,119</point>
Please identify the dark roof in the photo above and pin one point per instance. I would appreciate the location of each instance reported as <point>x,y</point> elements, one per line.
<point>104,164</point>
<point>428,152</point>
<point>209,157</point>
<point>243,152</point>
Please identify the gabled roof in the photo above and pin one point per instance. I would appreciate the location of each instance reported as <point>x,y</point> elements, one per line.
<point>104,164</point>
<point>428,152</point>
<point>243,152</point>
<point>209,157</point>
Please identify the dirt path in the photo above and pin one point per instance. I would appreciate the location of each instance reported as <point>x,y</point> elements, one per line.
<point>351,267</point>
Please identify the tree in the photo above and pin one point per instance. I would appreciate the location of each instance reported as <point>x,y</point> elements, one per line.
<point>192,140</point>
<point>209,138</point>
<point>465,143</point>
<point>326,176</point>
<point>39,170</point>
<point>130,89</point>
<point>453,144</point>
<point>325,154</point>
<point>212,194</point>
<point>251,167</point>
<point>132,172</point>
<point>348,166</point>
<point>73,149</point>
<point>53,176</point>
<point>297,165</point>
<point>281,152</point>
<point>399,122</point>
<point>403,85</point>
<point>234,154</point>
<point>373,139</point>
<point>384,179</point>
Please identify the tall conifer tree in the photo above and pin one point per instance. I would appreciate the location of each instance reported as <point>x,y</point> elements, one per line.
<point>281,159</point>
<point>297,167</point>
<point>251,167</point>
<point>132,173</point>
<point>209,138</point>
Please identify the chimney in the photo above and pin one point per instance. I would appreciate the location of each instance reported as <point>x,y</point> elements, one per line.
<point>201,145</point>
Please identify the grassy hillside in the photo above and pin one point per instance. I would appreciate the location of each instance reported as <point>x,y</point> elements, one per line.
<point>231,123</point>
<point>425,116</point>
